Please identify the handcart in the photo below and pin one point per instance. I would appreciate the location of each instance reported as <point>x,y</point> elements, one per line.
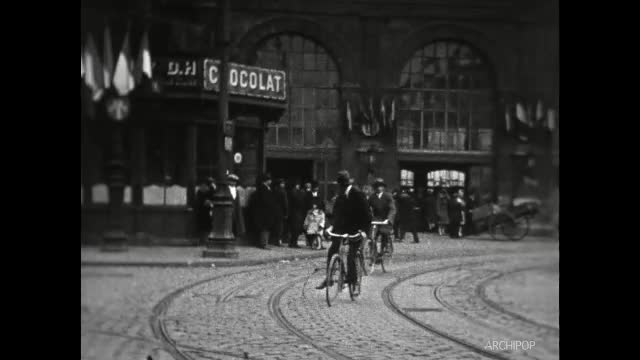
<point>510,221</point>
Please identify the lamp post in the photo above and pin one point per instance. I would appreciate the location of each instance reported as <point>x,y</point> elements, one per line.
<point>221,241</point>
<point>115,238</point>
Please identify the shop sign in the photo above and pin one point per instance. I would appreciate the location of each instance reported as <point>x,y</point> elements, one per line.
<point>246,80</point>
<point>204,74</point>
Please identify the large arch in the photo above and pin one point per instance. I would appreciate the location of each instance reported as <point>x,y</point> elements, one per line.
<point>498,57</point>
<point>246,46</point>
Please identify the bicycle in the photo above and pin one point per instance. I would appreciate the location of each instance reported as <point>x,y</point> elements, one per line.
<point>337,269</point>
<point>372,254</point>
<point>509,221</point>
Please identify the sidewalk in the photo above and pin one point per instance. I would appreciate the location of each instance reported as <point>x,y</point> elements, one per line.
<point>167,256</point>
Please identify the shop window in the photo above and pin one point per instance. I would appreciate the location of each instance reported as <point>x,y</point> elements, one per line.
<point>312,77</point>
<point>407,178</point>
<point>449,84</point>
<point>446,178</point>
<point>166,165</point>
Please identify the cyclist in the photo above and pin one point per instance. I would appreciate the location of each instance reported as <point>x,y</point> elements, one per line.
<point>350,216</point>
<point>384,209</point>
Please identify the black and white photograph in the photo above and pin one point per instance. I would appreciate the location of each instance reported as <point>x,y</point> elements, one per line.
<point>319,179</point>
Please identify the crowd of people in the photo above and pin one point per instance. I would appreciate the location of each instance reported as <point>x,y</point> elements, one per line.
<point>276,212</point>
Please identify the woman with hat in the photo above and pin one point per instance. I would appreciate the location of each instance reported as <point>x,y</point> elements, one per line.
<point>384,209</point>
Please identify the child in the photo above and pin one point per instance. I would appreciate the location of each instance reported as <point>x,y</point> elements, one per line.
<point>313,226</point>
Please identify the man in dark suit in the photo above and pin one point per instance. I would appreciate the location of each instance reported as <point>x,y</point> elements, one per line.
<point>351,215</point>
<point>296,213</point>
<point>237,216</point>
<point>263,210</point>
<point>384,209</point>
<point>408,221</point>
<point>313,197</point>
<point>282,212</point>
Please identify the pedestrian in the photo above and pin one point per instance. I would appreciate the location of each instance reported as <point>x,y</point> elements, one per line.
<point>456,214</point>
<point>237,219</point>
<point>314,224</point>
<point>443,211</point>
<point>430,210</point>
<point>351,216</point>
<point>383,208</point>
<point>472,203</point>
<point>282,209</point>
<point>407,216</point>
<point>296,213</point>
<point>313,197</point>
<point>204,210</point>
<point>263,210</point>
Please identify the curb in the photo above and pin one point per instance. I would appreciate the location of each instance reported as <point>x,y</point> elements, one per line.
<point>200,263</point>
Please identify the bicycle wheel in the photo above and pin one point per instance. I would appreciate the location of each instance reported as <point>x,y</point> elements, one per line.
<point>354,289</point>
<point>334,279</point>
<point>385,259</point>
<point>370,255</point>
<point>516,228</point>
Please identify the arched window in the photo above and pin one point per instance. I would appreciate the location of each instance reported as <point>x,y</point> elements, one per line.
<point>312,117</point>
<point>446,101</point>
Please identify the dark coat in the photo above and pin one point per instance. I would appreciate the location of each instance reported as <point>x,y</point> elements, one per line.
<point>310,200</point>
<point>282,204</point>
<point>406,211</point>
<point>297,211</point>
<point>430,209</point>
<point>263,208</point>
<point>202,210</point>
<point>383,208</point>
<point>351,213</point>
<point>456,208</point>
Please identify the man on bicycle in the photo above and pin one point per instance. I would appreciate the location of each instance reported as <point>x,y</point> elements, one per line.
<point>384,209</point>
<point>350,216</point>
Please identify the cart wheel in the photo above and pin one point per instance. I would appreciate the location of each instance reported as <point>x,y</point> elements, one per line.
<point>516,228</point>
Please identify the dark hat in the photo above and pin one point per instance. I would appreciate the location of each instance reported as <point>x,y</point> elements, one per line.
<point>314,184</point>
<point>379,181</point>
<point>264,177</point>
<point>343,177</point>
<point>233,177</point>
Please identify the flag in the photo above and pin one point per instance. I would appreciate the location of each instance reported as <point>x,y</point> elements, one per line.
<point>539,112</point>
<point>508,119</point>
<point>93,74</point>
<point>375,122</point>
<point>520,114</point>
<point>530,119</point>
<point>81,64</point>
<point>393,111</point>
<point>551,119</point>
<point>349,119</point>
<point>384,114</point>
<point>143,65</point>
<point>123,79</point>
<point>108,59</point>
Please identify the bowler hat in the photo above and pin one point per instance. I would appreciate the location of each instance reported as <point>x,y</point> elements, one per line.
<point>233,177</point>
<point>264,177</point>
<point>379,182</point>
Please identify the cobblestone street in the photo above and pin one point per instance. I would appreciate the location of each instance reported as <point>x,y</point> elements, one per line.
<point>442,299</point>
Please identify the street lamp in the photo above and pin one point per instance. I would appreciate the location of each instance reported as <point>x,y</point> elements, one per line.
<point>115,238</point>
<point>221,241</point>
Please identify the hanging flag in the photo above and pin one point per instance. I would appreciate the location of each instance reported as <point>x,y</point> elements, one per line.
<point>143,65</point>
<point>93,74</point>
<point>539,112</point>
<point>108,59</point>
<point>123,80</point>
<point>393,111</point>
<point>375,121</point>
<point>384,114</point>
<point>551,119</point>
<point>530,119</point>
<point>520,114</point>
<point>508,119</point>
<point>81,64</point>
<point>349,119</point>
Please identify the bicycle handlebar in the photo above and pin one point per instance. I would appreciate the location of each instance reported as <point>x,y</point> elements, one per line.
<point>344,236</point>
<point>380,223</point>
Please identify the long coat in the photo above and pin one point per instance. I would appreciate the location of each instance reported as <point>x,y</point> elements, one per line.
<point>296,210</point>
<point>383,208</point>
<point>430,209</point>
<point>443,210</point>
<point>203,209</point>
<point>237,216</point>
<point>351,213</point>
<point>263,208</point>
<point>406,211</point>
